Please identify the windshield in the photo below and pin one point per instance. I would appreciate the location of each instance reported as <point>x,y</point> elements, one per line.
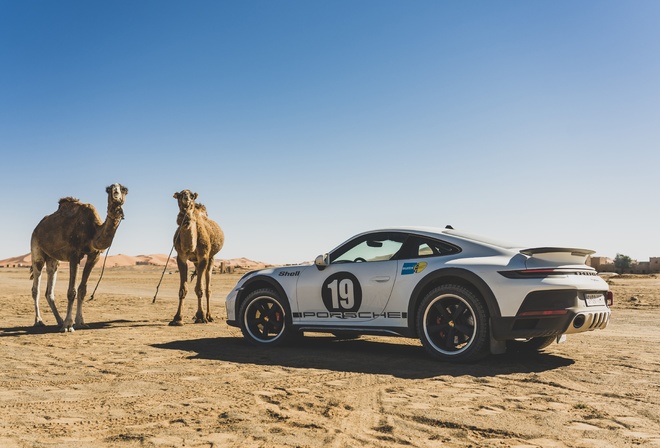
<point>375,247</point>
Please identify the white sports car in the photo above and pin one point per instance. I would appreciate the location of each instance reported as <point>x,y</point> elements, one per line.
<point>463,296</point>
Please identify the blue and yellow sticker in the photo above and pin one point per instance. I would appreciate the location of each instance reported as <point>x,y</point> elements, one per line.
<point>413,268</point>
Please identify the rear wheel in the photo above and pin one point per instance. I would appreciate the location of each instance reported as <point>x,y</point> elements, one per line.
<point>531,345</point>
<point>264,318</point>
<point>452,324</point>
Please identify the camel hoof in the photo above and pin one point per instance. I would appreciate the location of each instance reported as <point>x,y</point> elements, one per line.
<point>176,323</point>
<point>199,318</point>
<point>210,319</point>
<point>66,329</point>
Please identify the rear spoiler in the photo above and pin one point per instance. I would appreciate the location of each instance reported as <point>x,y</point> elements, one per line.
<point>546,250</point>
<point>558,254</point>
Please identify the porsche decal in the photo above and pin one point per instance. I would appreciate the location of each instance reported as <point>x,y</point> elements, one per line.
<point>350,315</point>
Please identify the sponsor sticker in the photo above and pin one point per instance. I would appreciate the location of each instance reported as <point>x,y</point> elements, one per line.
<point>419,267</point>
<point>413,268</point>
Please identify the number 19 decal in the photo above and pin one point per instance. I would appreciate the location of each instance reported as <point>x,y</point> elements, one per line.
<point>342,292</point>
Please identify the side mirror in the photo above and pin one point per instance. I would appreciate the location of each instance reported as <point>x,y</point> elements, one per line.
<point>322,261</point>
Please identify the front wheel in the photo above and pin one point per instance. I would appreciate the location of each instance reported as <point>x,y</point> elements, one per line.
<point>452,324</point>
<point>264,318</point>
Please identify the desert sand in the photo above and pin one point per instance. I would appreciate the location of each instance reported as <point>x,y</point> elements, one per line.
<point>130,380</point>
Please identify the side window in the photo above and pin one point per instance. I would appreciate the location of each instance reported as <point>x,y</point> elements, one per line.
<point>420,247</point>
<point>376,247</point>
<point>424,250</point>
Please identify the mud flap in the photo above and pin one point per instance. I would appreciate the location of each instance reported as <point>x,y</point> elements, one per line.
<point>561,339</point>
<point>496,347</point>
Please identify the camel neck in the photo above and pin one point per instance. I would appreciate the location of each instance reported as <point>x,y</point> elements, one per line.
<point>187,231</point>
<point>106,232</point>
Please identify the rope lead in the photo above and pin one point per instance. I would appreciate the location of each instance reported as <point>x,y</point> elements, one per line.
<point>103,267</point>
<point>165,268</point>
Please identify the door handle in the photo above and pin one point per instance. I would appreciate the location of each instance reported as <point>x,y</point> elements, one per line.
<point>381,279</point>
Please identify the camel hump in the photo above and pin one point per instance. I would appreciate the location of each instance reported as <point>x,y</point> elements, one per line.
<point>73,207</point>
<point>68,206</point>
<point>202,209</point>
<point>68,200</point>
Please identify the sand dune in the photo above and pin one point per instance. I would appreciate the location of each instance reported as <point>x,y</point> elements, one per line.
<point>121,260</point>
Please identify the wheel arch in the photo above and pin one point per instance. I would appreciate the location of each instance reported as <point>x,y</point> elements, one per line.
<point>260,282</point>
<point>456,276</point>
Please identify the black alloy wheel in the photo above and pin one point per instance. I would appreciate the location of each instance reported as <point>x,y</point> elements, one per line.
<point>264,318</point>
<point>452,324</point>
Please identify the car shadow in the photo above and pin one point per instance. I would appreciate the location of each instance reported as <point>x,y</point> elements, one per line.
<point>361,356</point>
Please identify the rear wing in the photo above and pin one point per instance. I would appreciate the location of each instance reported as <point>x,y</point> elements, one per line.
<point>562,255</point>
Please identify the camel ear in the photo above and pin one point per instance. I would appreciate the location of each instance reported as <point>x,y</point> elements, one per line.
<point>176,195</point>
<point>124,190</point>
<point>108,189</point>
<point>195,196</point>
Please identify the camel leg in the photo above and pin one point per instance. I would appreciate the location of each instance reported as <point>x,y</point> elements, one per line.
<point>67,326</point>
<point>82,288</point>
<point>36,283</point>
<point>51,271</point>
<point>183,290</point>
<point>209,268</point>
<point>201,271</point>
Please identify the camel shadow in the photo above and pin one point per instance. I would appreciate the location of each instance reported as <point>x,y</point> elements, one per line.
<point>361,356</point>
<point>29,330</point>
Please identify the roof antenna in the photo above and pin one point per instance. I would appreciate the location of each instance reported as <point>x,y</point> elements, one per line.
<point>449,227</point>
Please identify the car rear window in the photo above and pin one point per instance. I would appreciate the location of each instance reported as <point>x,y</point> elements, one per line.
<point>419,247</point>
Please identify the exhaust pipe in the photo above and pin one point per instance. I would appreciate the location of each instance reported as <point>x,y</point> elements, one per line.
<point>579,321</point>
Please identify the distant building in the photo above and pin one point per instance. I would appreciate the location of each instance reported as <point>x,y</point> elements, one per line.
<point>654,263</point>
<point>605,264</point>
<point>601,264</point>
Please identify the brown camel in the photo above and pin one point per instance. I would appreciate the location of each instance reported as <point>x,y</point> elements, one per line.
<point>73,231</point>
<point>197,239</point>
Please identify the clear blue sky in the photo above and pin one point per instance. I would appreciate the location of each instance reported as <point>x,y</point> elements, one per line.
<point>300,123</point>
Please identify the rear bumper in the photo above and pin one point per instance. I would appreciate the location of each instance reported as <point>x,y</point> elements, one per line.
<point>505,328</point>
<point>552,313</point>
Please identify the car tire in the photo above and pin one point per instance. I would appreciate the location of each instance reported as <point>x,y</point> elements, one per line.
<point>531,345</point>
<point>264,318</point>
<point>452,324</point>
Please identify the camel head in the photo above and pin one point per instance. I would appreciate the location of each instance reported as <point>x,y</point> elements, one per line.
<point>116,197</point>
<point>186,199</point>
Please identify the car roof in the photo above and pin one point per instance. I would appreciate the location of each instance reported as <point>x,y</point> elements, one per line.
<point>449,234</point>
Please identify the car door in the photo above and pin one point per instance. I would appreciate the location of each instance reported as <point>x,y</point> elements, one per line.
<point>354,287</point>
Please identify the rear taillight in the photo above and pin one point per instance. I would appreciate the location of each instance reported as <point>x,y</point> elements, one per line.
<point>548,272</point>
<point>532,273</point>
<point>610,298</point>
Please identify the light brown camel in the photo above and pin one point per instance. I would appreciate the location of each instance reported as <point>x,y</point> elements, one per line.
<point>197,239</point>
<point>73,231</point>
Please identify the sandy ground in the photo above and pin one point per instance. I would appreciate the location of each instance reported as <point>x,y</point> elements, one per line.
<point>133,381</point>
